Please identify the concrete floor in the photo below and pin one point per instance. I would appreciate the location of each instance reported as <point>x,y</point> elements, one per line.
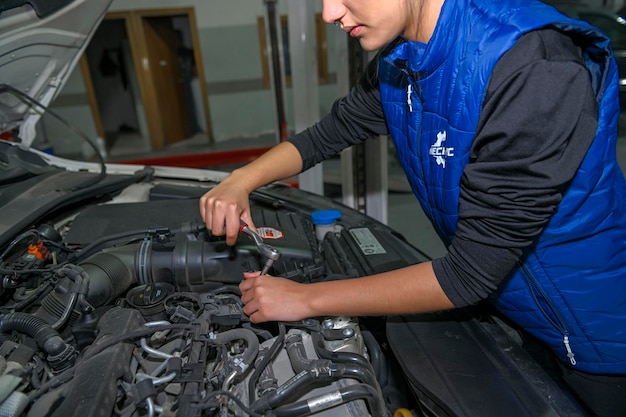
<point>404,213</point>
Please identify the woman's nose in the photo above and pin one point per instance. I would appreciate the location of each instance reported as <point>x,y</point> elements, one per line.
<point>332,10</point>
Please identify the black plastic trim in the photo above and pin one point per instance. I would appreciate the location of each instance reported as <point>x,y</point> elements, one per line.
<point>43,8</point>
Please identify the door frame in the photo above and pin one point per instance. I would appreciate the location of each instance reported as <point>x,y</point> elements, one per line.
<point>133,20</point>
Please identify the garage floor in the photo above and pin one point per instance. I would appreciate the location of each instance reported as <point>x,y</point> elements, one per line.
<point>404,212</point>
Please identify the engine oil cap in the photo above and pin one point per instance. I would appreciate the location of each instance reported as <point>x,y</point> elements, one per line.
<point>325,216</point>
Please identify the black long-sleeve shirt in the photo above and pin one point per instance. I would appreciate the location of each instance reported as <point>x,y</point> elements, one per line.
<point>537,122</point>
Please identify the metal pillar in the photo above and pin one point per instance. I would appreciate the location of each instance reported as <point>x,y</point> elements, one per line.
<point>304,79</point>
<point>274,52</point>
<point>364,168</point>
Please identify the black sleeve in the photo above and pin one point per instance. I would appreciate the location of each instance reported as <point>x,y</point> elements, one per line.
<point>537,122</point>
<point>353,119</point>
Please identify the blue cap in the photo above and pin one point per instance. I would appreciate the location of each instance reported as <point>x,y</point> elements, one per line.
<point>325,216</point>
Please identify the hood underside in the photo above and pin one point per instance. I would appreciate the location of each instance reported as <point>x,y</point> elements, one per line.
<point>40,43</point>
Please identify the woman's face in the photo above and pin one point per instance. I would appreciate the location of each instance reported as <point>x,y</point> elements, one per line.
<point>374,22</point>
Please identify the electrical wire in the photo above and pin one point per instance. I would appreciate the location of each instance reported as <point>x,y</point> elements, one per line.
<point>68,374</point>
<point>14,242</point>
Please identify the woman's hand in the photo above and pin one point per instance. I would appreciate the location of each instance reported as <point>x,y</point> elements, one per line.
<point>269,298</point>
<point>222,208</point>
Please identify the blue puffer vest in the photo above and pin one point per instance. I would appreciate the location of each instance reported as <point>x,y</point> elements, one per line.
<point>571,290</point>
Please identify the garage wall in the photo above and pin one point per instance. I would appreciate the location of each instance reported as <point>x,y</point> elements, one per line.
<point>240,106</point>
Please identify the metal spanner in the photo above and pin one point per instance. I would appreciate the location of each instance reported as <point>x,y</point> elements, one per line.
<point>272,254</point>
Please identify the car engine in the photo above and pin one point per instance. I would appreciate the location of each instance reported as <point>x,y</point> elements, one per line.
<point>118,308</point>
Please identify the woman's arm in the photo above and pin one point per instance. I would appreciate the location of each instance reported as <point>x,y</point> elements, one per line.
<point>353,119</point>
<point>407,290</point>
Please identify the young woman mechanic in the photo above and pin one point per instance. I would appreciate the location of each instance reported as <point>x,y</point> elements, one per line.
<point>504,115</point>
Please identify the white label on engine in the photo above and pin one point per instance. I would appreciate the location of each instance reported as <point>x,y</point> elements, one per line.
<point>367,241</point>
<point>270,233</point>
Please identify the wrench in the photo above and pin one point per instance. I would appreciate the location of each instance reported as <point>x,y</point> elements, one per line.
<point>272,254</point>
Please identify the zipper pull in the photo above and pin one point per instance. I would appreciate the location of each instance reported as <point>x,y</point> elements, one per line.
<point>568,348</point>
<point>409,101</point>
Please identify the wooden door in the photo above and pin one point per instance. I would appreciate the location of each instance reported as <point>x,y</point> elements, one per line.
<point>162,42</point>
<point>153,43</point>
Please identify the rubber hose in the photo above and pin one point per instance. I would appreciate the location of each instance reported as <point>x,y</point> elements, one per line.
<point>48,339</point>
<point>350,370</point>
<point>278,343</point>
<point>376,355</point>
<point>297,356</point>
<point>241,334</point>
<point>299,384</point>
<point>293,388</point>
<point>365,374</point>
<point>338,357</point>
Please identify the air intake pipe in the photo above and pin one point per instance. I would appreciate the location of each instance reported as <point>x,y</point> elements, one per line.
<point>190,265</point>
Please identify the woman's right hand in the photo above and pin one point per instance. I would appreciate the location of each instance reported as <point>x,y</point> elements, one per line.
<point>224,207</point>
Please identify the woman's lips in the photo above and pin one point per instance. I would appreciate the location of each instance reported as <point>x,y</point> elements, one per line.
<point>354,31</point>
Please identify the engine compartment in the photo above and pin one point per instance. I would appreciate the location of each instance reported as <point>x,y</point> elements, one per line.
<point>122,309</point>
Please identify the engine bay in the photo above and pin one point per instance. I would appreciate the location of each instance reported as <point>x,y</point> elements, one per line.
<point>130,307</point>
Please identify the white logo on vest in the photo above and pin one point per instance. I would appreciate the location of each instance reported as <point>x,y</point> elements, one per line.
<point>439,151</point>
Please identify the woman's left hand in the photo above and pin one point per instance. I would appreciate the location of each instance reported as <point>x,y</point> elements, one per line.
<point>268,298</point>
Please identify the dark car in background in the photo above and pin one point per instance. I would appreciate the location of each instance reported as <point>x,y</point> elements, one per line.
<point>611,22</point>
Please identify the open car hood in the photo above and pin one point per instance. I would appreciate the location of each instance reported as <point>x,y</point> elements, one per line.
<point>40,43</point>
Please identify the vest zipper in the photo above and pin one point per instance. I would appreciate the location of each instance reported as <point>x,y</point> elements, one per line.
<point>409,101</point>
<point>557,321</point>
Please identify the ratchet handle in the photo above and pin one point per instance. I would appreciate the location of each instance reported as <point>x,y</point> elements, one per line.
<point>264,249</point>
<point>245,229</point>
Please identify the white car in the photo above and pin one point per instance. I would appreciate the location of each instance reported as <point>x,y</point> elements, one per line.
<point>116,301</point>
